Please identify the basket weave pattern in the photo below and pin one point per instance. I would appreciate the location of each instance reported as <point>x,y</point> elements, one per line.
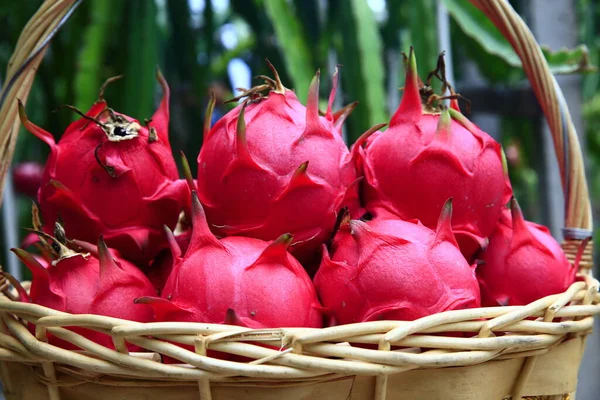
<point>294,355</point>
<point>532,350</point>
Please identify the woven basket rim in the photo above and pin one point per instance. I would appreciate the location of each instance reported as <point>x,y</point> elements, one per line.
<point>449,339</point>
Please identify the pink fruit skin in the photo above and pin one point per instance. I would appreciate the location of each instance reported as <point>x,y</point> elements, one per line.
<point>29,240</point>
<point>236,280</point>
<point>88,284</point>
<point>161,267</point>
<point>290,172</point>
<point>523,263</point>
<point>130,207</point>
<point>27,178</point>
<point>394,270</point>
<point>423,159</point>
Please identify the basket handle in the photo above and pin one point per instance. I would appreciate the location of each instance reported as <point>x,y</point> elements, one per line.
<point>578,210</point>
<point>22,66</point>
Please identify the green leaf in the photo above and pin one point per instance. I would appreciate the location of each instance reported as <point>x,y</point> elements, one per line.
<point>569,61</point>
<point>209,29</point>
<point>587,16</point>
<point>479,28</point>
<point>362,73</point>
<point>97,34</point>
<point>183,46</point>
<point>476,25</point>
<point>308,16</point>
<point>489,65</point>
<point>314,32</point>
<point>293,48</point>
<point>142,60</point>
<point>422,31</point>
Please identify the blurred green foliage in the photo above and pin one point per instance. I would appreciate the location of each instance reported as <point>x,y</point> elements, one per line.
<point>194,43</point>
<point>588,15</point>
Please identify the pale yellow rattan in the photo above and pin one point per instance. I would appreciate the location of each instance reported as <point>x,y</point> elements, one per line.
<point>297,355</point>
<point>469,354</point>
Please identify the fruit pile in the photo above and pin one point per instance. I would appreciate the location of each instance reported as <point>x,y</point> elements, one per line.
<point>284,225</point>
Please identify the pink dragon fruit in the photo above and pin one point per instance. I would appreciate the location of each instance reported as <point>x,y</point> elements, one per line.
<point>161,267</point>
<point>27,178</point>
<point>109,175</point>
<point>272,166</point>
<point>236,280</point>
<point>522,263</point>
<point>80,283</point>
<point>427,155</point>
<point>395,270</point>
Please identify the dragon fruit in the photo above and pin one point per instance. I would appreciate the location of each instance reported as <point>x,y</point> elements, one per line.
<point>80,283</point>
<point>522,263</point>
<point>109,175</point>
<point>395,270</point>
<point>27,178</point>
<point>272,166</point>
<point>236,280</point>
<point>161,267</point>
<point>429,154</point>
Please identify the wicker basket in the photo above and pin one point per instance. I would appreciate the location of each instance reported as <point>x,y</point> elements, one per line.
<point>533,350</point>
